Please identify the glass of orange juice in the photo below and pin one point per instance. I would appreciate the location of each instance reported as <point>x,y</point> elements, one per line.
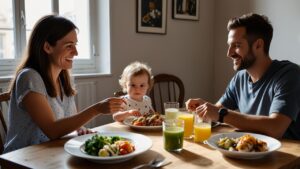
<point>188,119</point>
<point>202,129</point>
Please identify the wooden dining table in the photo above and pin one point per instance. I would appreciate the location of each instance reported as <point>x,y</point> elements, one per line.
<point>51,155</point>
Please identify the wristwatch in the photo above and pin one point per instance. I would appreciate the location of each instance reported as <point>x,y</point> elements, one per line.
<point>222,113</point>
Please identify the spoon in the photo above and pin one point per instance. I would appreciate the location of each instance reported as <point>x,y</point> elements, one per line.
<point>161,164</point>
<point>156,163</point>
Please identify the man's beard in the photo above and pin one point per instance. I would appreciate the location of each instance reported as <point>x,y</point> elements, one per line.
<point>246,62</point>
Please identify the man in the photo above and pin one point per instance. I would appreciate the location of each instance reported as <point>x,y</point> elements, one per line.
<point>264,95</point>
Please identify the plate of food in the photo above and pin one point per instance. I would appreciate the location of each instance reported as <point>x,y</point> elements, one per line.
<point>243,145</point>
<point>108,147</point>
<point>145,122</point>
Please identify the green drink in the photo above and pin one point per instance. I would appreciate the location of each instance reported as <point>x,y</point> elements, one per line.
<point>173,131</point>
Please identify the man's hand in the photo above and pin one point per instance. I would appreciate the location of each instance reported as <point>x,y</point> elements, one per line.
<point>192,104</point>
<point>208,111</point>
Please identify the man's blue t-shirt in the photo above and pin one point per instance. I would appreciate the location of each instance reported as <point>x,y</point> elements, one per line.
<point>277,91</point>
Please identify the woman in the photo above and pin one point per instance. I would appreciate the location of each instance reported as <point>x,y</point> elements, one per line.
<point>42,106</point>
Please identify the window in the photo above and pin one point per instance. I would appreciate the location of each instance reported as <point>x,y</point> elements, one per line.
<point>6,30</point>
<point>2,45</point>
<point>17,19</point>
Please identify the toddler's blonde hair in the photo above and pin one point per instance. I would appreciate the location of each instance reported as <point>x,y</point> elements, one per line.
<point>135,69</point>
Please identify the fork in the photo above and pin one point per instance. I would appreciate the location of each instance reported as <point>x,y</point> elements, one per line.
<point>155,163</point>
<point>146,164</point>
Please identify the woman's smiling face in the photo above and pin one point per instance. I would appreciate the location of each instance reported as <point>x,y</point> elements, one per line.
<point>62,54</point>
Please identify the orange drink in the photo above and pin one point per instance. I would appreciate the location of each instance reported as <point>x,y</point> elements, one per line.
<point>202,132</point>
<point>188,123</point>
<point>202,129</point>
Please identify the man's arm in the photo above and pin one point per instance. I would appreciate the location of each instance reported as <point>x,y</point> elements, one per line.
<point>274,125</point>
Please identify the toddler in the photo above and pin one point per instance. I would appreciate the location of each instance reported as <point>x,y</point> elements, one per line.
<point>136,80</point>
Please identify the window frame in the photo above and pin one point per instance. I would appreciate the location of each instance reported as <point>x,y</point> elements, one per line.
<point>93,65</point>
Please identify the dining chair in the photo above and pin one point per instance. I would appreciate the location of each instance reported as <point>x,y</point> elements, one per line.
<point>166,88</point>
<point>4,101</point>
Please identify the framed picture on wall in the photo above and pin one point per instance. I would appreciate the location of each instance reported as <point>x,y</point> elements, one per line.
<point>151,16</point>
<point>185,9</point>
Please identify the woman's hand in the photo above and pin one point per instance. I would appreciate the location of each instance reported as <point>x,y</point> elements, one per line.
<point>83,131</point>
<point>192,104</point>
<point>110,105</point>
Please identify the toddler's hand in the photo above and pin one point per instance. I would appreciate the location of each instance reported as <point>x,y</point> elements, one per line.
<point>134,113</point>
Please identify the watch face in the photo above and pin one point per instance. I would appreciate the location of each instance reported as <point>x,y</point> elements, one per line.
<point>222,113</point>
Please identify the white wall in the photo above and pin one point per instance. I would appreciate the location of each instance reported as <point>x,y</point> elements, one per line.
<point>194,50</point>
<point>284,16</point>
<point>186,50</point>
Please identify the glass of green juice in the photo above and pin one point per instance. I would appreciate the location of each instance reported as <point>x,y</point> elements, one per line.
<point>173,131</point>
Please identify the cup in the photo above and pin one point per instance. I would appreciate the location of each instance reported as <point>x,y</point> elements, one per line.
<point>188,119</point>
<point>173,131</point>
<point>171,110</point>
<point>202,129</point>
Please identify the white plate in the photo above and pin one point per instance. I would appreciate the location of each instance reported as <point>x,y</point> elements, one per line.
<point>215,124</point>
<point>128,122</point>
<point>142,144</point>
<point>272,143</point>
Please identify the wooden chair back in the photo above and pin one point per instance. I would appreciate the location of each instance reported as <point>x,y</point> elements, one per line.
<point>166,88</point>
<point>4,101</point>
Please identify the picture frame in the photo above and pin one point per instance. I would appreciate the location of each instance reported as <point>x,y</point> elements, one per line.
<point>151,16</point>
<point>185,9</point>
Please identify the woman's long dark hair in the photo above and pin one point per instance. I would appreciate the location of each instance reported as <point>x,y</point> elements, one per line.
<point>50,28</point>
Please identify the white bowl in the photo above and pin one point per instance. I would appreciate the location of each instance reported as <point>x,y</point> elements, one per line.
<point>272,143</point>
<point>142,144</point>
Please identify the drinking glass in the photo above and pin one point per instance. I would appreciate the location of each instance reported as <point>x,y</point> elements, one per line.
<point>202,129</point>
<point>173,130</point>
<point>171,110</point>
<point>188,119</point>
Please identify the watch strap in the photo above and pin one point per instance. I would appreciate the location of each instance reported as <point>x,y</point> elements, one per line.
<point>222,113</point>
